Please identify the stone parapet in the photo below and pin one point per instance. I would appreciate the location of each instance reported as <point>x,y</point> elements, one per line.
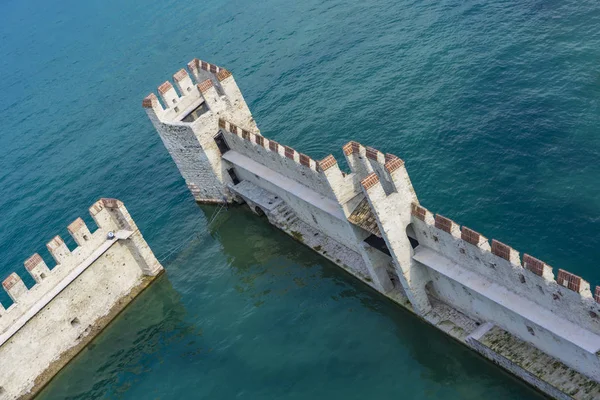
<point>501,263</point>
<point>39,331</point>
<point>487,280</point>
<point>302,160</point>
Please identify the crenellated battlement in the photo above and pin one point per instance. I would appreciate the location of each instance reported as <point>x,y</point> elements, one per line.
<point>70,303</point>
<point>110,215</point>
<point>390,170</point>
<point>270,145</point>
<point>175,102</point>
<point>450,275</point>
<point>497,248</point>
<point>361,158</point>
<point>196,65</point>
<point>202,69</point>
<point>205,84</point>
<point>529,276</point>
<point>377,170</point>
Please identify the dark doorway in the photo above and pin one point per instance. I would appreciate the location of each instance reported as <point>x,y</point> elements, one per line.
<point>233,176</point>
<point>221,143</point>
<point>196,113</point>
<point>412,238</point>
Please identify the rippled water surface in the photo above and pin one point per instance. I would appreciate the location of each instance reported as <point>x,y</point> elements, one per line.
<point>493,105</point>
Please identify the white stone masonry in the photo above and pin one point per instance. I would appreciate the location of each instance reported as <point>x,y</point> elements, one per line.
<point>451,277</point>
<point>49,323</point>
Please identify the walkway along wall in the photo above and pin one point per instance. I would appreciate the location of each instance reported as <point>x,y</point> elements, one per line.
<point>512,310</point>
<point>49,323</point>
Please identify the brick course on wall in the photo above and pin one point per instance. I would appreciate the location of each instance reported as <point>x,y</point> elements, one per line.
<point>470,236</point>
<point>327,163</point>
<point>533,264</point>
<point>443,223</point>
<point>569,280</point>
<point>384,181</point>
<point>370,181</point>
<point>71,303</point>
<point>500,249</point>
<point>419,212</point>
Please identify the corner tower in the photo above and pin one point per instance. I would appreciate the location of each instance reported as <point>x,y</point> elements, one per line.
<point>187,120</point>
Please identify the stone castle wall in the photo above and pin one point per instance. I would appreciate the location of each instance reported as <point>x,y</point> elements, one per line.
<point>324,213</point>
<point>560,318</point>
<point>452,277</point>
<point>71,303</point>
<point>283,159</point>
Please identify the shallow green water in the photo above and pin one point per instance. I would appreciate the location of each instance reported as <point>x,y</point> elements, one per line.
<point>493,106</point>
<point>268,318</point>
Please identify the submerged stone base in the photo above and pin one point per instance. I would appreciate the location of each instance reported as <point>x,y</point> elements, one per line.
<point>545,373</point>
<point>526,362</point>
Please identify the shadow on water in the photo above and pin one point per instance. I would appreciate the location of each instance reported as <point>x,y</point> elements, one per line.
<point>252,244</point>
<point>247,301</point>
<point>493,106</point>
<point>127,348</point>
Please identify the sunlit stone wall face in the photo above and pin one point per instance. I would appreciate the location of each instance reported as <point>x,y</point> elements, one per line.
<point>369,221</point>
<point>71,303</point>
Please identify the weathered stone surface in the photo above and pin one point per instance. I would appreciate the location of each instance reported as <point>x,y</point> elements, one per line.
<point>49,323</point>
<point>370,223</point>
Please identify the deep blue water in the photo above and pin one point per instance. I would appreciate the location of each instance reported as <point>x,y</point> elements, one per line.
<point>494,106</point>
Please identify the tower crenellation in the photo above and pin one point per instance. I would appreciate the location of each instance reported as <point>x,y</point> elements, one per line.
<point>79,231</point>
<point>188,121</point>
<point>168,94</point>
<point>369,221</point>
<point>14,286</point>
<point>183,82</point>
<point>59,250</point>
<point>37,268</point>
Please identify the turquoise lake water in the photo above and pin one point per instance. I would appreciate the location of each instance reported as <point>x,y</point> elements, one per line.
<point>494,106</point>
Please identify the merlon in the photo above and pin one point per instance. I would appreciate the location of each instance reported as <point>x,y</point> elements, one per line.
<point>515,312</point>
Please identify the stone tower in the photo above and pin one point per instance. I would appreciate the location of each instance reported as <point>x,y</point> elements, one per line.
<point>369,221</point>
<point>188,124</point>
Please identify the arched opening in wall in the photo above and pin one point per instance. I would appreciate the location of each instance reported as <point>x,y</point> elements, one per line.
<point>259,211</point>
<point>412,238</point>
